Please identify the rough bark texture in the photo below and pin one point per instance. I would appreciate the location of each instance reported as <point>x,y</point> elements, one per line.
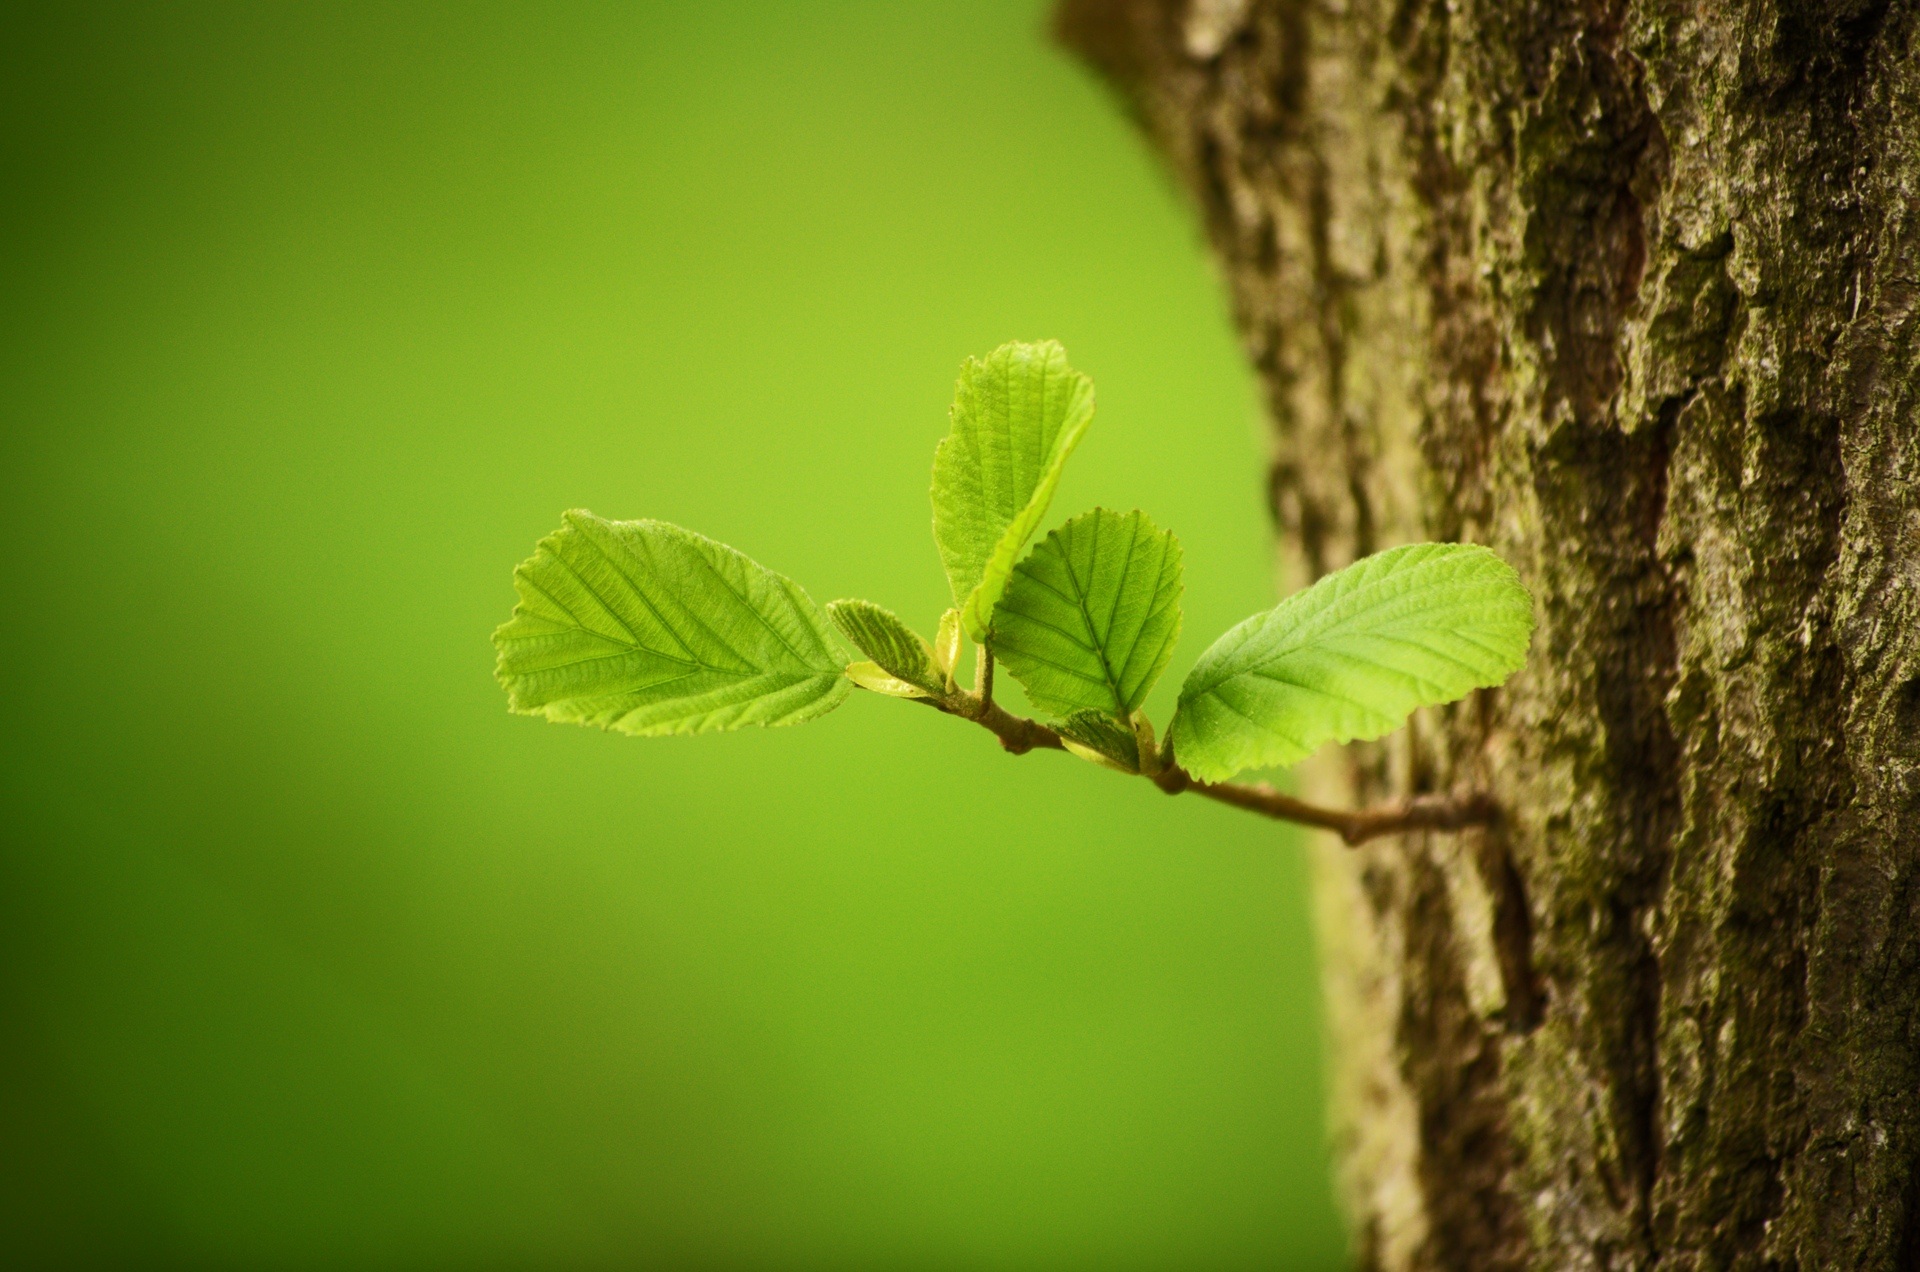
<point>1629,291</point>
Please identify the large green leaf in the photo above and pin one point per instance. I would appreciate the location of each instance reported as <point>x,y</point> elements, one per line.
<point>1350,657</point>
<point>1016,417</point>
<point>646,628</point>
<point>1090,618</point>
<point>894,647</point>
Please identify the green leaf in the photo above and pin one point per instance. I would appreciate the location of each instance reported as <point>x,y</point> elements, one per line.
<point>946,643</point>
<point>1091,616</point>
<point>645,628</point>
<point>871,675</point>
<point>1350,657</point>
<point>899,650</point>
<point>1097,736</point>
<point>1016,417</point>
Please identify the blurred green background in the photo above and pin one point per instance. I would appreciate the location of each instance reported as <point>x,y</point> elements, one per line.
<point>314,319</point>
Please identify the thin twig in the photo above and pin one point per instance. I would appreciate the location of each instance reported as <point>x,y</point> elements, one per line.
<point>1418,812</point>
<point>1016,733</point>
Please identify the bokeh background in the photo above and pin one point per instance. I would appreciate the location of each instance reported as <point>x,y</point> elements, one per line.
<point>314,319</point>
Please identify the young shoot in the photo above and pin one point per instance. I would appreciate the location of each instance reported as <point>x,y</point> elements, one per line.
<point>645,628</point>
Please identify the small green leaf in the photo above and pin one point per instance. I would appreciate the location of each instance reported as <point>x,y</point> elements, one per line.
<point>873,676</point>
<point>1016,417</point>
<point>1091,616</point>
<point>645,628</point>
<point>899,650</point>
<point>1097,736</point>
<point>946,643</point>
<point>1143,741</point>
<point>1350,657</point>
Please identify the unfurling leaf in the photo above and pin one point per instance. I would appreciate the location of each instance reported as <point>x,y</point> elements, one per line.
<point>900,651</point>
<point>1016,417</point>
<point>1090,618</point>
<point>1097,736</point>
<point>646,628</point>
<point>1350,657</point>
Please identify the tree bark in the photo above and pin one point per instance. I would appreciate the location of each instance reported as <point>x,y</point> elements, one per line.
<point>1630,292</point>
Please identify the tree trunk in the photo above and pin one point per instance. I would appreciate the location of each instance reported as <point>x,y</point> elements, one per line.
<point>1630,292</point>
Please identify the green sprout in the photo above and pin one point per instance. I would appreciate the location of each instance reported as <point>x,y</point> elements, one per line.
<point>645,628</point>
